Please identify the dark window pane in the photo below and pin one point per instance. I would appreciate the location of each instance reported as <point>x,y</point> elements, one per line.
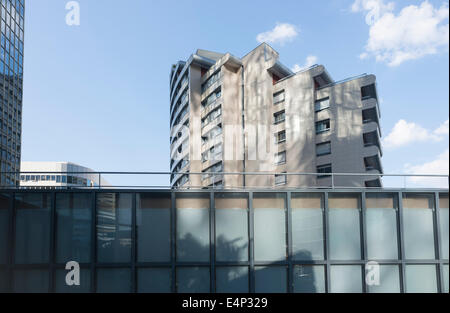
<point>4,229</point>
<point>31,281</point>
<point>232,279</point>
<point>192,227</point>
<point>3,281</point>
<point>193,280</point>
<point>346,279</point>
<point>73,227</point>
<point>271,279</point>
<point>154,280</point>
<point>153,227</point>
<point>32,228</point>
<point>114,280</point>
<point>309,279</point>
<point>231,227</point>
<point>62,287</point>
<point>113,227</point>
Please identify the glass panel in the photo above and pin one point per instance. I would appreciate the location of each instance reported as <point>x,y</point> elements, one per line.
<point>154,280</point>
<point>270,226</point>
<point>418,226</point>
<point>381,222</point>
<point>153,227</point>
<point>344,221</point>
<point>113,280</point>
<point>113,227</point>
<point>73,227</point>
<point>32,228</point>
<point>62,287</point>
<point>346,279</point>
<point>193,280</point>
<point>270,279</point>
<point>445,273</point>
<point>389,280</point>
<point>232,279</point>
<point>3,281</point>
<point>31,281</point>
<point>307,227</point>
<point>231,227</point>
<point>443,223</point>
<point>192,227</point>
<point>309,279</point>
<point>4,229</point>
<point>421,279</point>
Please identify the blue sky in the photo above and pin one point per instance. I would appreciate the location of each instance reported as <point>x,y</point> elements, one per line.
<point>97,94</point>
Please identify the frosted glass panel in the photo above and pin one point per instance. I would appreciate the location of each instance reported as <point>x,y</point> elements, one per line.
<point>344,228</point>
<point>443,223</point>
<point>31,281</point>
<point>270,279</point>
<point>381,222</point>
<point>269,228</point>
<point>421,279</point>
<point>153,228</point>
<point>232,279</point>
<point>346,279</point>
<point>309,279</point>
<point>193,280</point>
<point>114,280</point>
<point>73,227</point>
<point>114,227</point>
<point>4,229</point>
<point>418,226</point>
<point>32,228</point>
<point>389,280</point>
<point>154,280</point>
<point>307,227</point>
<point>62,287</point>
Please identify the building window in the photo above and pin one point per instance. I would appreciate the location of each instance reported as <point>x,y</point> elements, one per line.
<point>279,117</point>
<point>368,92</point>
<point>322,104</point>
<point>211,80</point>
<point>280,179</point>
<point>322,126</point>
<point>280,137</point>
<point>278,97</point>
<point>324,169</point>
<point>280,158</point>
<point>323,148</point>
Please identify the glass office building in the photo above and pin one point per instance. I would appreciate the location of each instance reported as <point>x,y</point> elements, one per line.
<point>11,84</point>
<point>224,241</point>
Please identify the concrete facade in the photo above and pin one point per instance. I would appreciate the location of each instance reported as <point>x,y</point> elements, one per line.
<point>253,114</point>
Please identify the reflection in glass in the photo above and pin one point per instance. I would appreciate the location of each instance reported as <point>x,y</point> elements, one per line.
<point>31,281</point>
<point>193,280</point>
<point>307,227</point>
<point>32,242</point>
<point>344,224</point>
<point>62,287</point>
<point>192,227</point>
<point>309,279</point>
<point>270,279</point>
<point>421,279</point>
<point>154,280</point>
<point>113,227</point>
<point>113,280</point>
<point>153,227</point>
<point>231,227</point>
<point>270,226</point>
<point>381,222</point>
<point>232,279</point>
<point>445,273</point>
<point>389,280</point>
<point>346,279</point>
<point>443,223</point>
<point>418,226</point>
<point>73,227</point>
<point>4,229</point>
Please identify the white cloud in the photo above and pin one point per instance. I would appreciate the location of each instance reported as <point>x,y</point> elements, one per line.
<point>405,133</point>
<point>438,166</point>
<point>281,33</point>
<point>443,129</point>
<point>416,31</point>
<point>310,60</point>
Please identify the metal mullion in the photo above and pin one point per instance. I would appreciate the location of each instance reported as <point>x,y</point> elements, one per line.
<point>11,241</point>
<point>290,279</point>
<point>437,242</point>
<point>52,241</point>
<point>93,241</point>
<point>251,274</point>
<point>173,240</point>
<point>133,244</point>
<point>363,230</point>
<point>401,242</point>
<point>327,242</point>
<point>212,242</point>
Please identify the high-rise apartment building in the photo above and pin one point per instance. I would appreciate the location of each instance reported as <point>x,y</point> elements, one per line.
<point>11,82</point>
<point>254,115</point>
